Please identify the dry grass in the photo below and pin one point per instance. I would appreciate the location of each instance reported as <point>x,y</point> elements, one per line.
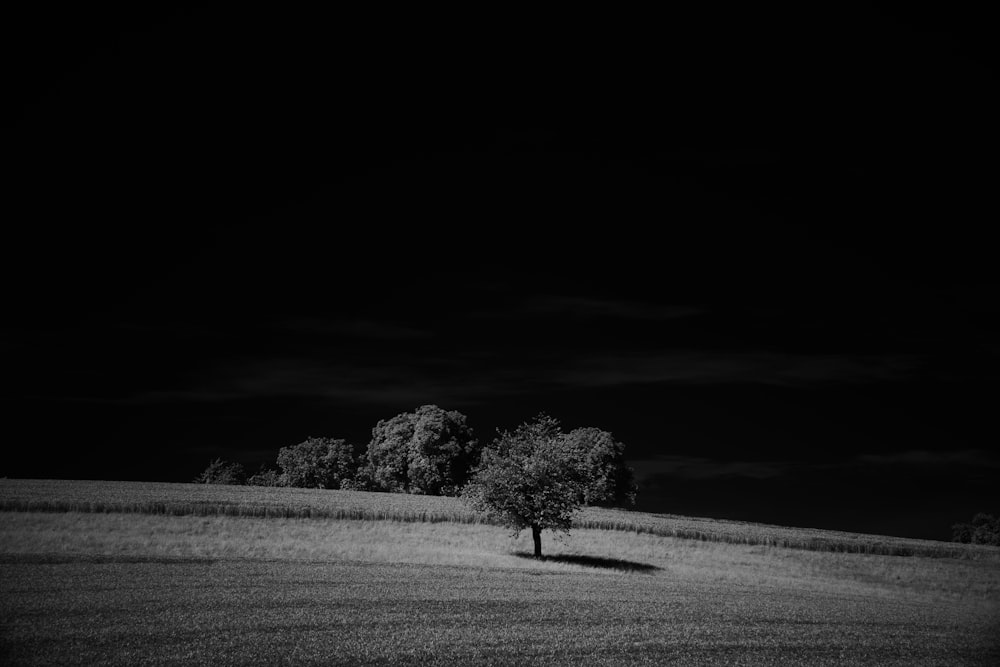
<point>115,588</point>
<point>243,501</point>
<point>485,546</point>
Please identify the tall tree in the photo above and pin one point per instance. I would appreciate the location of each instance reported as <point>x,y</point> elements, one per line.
<point>429,451</point>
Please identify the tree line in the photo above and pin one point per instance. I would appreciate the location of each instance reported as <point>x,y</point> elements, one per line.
<point>534,477</point>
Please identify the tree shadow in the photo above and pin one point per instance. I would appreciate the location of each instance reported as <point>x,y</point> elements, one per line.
<point>593,561</point>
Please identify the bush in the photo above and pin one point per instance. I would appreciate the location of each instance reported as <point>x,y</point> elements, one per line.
<point>317,463</point>
<point>265,477</point>
<point>362,481</point>
<point>962,532</point>
<point>984,529</point>
<point>222,472</point>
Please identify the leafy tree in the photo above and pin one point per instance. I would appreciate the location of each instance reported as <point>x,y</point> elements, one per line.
<point>221,472</point>
<point>265,477</point>
<point>317,463</point>
<point>429,451</point>
<point>532,477</point>
<point>610,480</point>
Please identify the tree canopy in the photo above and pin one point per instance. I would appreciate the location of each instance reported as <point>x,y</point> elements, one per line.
<point>428,451</point>
<point>537,477</point>
<point>317,463</point>
<point>609,480</point>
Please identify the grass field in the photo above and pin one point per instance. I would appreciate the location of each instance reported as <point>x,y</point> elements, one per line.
<point>161,588</point>
<point>211,500</point>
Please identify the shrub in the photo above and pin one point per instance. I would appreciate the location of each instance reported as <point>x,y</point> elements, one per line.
<point>221,472</point>
<point>317,463</point>
<point>984,529</point>
<point>265,477</point>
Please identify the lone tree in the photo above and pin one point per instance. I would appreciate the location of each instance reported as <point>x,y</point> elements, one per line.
<point>537,477</point>
<point>429,451</point>
<point>317,463</point>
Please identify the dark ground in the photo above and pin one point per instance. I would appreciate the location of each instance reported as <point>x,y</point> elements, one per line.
<point>244,612</point>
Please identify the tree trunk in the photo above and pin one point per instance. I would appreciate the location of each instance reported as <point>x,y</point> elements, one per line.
<point>536,535</point>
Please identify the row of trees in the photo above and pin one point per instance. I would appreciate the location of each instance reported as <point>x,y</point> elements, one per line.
<point>428,451</point>
<point>533,477</point>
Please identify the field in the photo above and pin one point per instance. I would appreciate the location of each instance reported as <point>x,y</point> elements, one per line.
<point>211,500</point>
<point>228,588</point>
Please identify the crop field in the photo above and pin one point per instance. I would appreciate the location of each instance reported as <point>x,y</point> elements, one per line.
<point>113,588</point>
<point>406,585</point>
<point>211,500</point>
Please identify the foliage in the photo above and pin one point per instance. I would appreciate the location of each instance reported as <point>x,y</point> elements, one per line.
<point>532,477</point>
<point>317,463</point>
<point>609,480</point>
<point>265,477</point>
<point>428,451</point>
<point>362,480</point>
<point>222,472</point>
<point>984,529</point>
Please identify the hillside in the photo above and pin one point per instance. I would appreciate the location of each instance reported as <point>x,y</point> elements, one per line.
<point>128,573</point>
<point>210,500</point>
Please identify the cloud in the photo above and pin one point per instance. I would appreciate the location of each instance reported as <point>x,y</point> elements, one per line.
<point>472,378</point>
<point>751,367</point>
<point>428,380</point>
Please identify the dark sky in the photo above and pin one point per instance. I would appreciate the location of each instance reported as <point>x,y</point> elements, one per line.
<point>753,247</point>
